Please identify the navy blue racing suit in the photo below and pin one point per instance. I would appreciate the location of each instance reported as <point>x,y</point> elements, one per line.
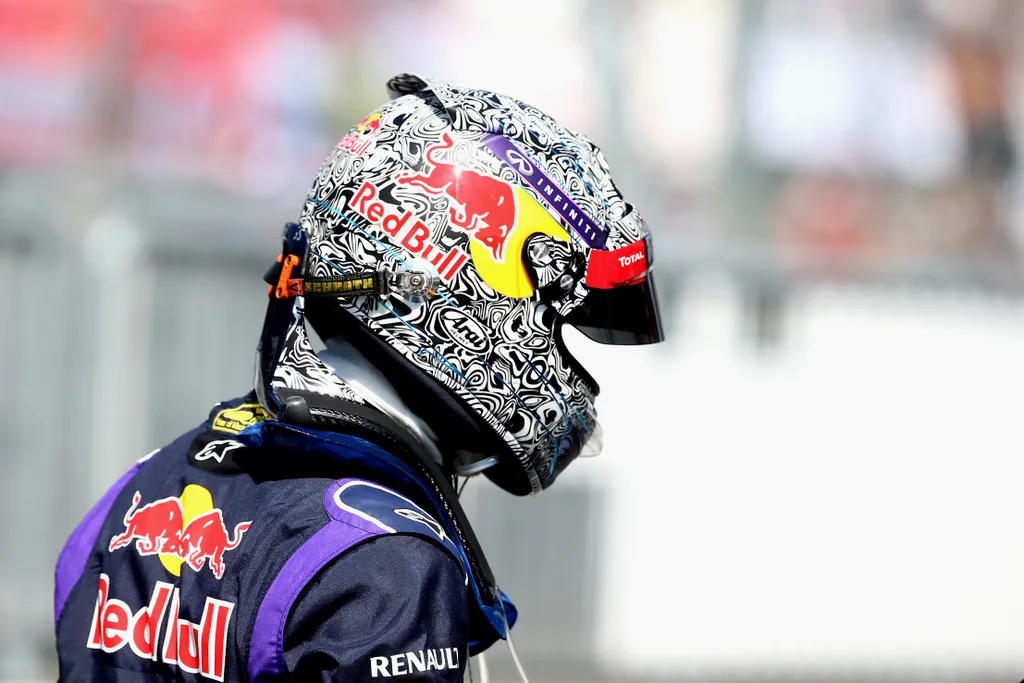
<point>250,550</point>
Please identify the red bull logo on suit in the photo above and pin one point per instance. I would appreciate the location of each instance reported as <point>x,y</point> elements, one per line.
<point>184,529</point>
<point>194,648</point>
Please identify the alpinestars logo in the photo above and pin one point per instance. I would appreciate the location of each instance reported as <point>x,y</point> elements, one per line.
<point>194,648</point>
<point>216,450</point>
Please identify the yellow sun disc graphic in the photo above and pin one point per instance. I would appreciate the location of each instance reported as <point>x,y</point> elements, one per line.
<point>195,500</point>
<point>509,276</point>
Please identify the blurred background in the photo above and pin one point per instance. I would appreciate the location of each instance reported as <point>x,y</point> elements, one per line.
<point>817,478</point>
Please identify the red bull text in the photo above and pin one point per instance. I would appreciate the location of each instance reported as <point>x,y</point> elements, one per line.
<point>479,204</point>
<point>412,234</point>
<point>158,528</point>
<point>359,140</point>
<point>194,648</point>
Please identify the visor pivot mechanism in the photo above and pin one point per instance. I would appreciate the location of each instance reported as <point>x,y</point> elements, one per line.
<point>553,266</point>
<point>416,281</point>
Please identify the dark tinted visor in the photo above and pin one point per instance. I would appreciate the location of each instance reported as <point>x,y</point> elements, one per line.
<point>624,315</point>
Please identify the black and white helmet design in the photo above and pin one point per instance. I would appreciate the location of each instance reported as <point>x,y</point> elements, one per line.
<point>458,230</point>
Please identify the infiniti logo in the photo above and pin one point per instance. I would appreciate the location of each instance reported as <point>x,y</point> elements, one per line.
<point>516,159</point>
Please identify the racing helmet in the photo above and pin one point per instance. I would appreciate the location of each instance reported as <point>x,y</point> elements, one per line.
<point>449,236</point>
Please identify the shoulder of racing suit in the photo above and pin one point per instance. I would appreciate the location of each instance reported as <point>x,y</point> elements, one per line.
<point>246,546</point>
<point>413,579</point>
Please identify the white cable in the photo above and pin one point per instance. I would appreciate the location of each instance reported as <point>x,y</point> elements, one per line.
<point>485,674</point>
<point>476,467</point>
<point>508,639</point>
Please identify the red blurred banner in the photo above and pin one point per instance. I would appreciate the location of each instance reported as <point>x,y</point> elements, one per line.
<point>174,85</point>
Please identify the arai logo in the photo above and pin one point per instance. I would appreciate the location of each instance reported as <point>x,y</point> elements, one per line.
<point>464,330</point>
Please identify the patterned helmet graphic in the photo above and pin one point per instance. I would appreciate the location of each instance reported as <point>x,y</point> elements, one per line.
<point>487,225</point>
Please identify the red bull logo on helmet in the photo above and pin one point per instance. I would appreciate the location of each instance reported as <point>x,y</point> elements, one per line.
<point>407,232</point>
<point>194,648</point>
<point>184,529</point>
<point>479,204</point>
<point>369,124</point>
<point>497,216</point>
<point>362,136</point>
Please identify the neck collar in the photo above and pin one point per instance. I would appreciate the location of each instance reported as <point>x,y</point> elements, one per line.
<point>353,368</point>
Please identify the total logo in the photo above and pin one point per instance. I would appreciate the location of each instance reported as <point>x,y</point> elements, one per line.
<point>184,529</point>
<point>631,259</point>
<point>194,648</point>
<point>607,269</point>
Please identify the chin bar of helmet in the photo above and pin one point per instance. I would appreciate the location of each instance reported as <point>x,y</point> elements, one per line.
<point>382,283</point>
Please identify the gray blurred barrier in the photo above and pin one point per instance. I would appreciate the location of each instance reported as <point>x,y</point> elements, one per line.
<point>544,552</point>
<point>41,410</point>
<point>121,323</point>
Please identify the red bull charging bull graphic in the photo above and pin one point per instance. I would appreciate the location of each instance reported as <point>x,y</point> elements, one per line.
<point>180,530</point>
<point>497,215</point>
<point>480,204</point>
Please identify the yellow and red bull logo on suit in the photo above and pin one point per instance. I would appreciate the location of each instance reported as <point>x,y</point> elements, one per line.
<point>184,529</point>
<point>179,530</point>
